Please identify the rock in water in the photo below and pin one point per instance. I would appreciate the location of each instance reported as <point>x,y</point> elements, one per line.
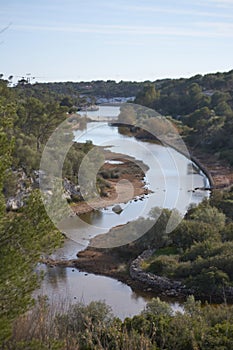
<point>117,209</point>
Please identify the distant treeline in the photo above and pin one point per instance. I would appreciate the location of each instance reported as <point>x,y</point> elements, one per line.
<point>204,105</point>
<point>100,88</point>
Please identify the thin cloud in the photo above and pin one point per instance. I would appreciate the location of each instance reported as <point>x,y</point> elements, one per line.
<point>166,10</point>
<point>128,43</point>
<point>220,27</point>
<point>227,4</point>
<point>198,30</point>
<point>223,2</point>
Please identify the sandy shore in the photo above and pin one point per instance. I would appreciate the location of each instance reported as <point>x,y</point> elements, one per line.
<point>129,185</point>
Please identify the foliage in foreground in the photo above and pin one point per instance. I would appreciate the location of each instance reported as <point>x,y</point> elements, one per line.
<point>24,235</point>
<point>204,249</point>
<point>94,327</point>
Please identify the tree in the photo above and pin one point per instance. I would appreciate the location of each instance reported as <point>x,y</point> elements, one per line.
<point>39,119</point>
<point>148,97</point>
<point>190,231</point>
<point>195,118</point>
<point>207,214</point>
<point>80,316</point>
<point>22,241</point>
<point>23,237</point>
<point>127,115</point>
<point>66,102</point>
<point>210,281</point>
<point>157,307</point>
<point>223,109</point>
<point>195,95</point>
<point>219,97</point>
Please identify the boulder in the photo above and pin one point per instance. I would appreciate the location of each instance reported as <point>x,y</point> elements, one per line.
<point>14,203</point>
<point>117,209</point>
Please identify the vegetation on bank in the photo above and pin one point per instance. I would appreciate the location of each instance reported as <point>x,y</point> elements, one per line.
<point>94,327</point>
<point>27,119</point>
<point>204,106</point>
<point>198,252</point>
<point>202,103</point>
<point>25,125</point>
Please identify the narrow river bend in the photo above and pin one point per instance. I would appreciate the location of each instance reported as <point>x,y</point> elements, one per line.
<point>172,186</point>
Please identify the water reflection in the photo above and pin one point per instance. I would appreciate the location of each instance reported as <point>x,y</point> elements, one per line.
<point>172,184</point>
<point>55,275</point>
<point>80,286</point>
<point>93,217</point>
<point>169,177</point>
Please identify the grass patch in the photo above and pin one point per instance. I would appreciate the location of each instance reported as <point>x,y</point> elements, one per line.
<point>163,262</point>
<point>166,251</point>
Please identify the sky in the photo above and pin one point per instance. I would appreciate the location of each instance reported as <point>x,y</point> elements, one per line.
<point>83,40</point>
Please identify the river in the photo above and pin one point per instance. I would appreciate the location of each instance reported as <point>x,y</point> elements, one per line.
<point>172,186</point>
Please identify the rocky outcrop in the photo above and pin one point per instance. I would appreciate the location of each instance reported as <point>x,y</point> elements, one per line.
<point>25,184</point>
<point>22,190</point>
<point>169,287</point>
<point>161,284</point>
<point>14,203</point>
<point>58,262</point>
<point>70,189</point>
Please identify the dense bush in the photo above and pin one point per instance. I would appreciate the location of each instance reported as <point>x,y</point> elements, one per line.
<point>94,327</point>
<point>199,250</point>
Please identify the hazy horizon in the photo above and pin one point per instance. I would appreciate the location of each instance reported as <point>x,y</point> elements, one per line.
<point>75,40</point>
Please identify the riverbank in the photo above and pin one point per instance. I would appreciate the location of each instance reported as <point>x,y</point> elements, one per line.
<point>218,170</point>
<point>107,263</point>
<point>110,263</point>
<point>123,181</point>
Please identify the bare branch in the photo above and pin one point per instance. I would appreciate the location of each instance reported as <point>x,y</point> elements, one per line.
<point>5,28</point>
